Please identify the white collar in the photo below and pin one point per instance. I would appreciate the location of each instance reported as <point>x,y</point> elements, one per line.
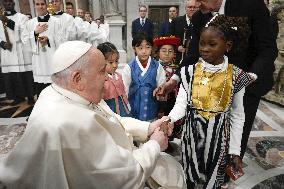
<point>144,70</point>
<point>143,19</point>
<point>113,76</point>
<point>213,68</point>
<point>70,95</point>
<point>42,17</point>
<point>222,7</point>
<point>187,18</point>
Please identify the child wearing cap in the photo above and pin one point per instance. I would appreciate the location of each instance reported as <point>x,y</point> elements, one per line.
<point>166,51</point>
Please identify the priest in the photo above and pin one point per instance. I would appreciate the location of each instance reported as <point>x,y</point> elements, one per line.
<point>16,67</point>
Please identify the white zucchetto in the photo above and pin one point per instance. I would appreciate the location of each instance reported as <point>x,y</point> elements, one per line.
<point>67,54</point>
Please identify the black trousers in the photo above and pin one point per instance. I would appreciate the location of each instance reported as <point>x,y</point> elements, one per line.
<point>19,85</point>
<point>251,103</point>
<point>40,87</point>
<point>2,86</point>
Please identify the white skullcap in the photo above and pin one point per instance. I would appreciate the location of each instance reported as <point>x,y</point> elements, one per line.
<point>67,54</point>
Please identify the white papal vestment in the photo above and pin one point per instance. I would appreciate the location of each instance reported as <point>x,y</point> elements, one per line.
<point>70,143</point>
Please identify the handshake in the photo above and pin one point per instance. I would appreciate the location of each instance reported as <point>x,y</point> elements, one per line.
<point>159,131</point>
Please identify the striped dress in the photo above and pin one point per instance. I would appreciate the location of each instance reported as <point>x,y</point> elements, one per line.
<point>206,134</point>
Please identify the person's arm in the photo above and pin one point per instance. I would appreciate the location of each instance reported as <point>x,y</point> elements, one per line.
<point>161,76</point>
<point>179,108</point>
<point>100,156</point>
<point>162,29</point>
<point>265,45</point>
<point>151,29</point>
<point>172,27</point>
<point>126,77</point>
<point>237,119</point>
<point>133,29</point>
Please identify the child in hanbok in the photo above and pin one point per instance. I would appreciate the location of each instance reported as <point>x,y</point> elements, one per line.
<point>166,47</point>
<point>211,99</point>
<point>140,77</point>
<point>114,93</point>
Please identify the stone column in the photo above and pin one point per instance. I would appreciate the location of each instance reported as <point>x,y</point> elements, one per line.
<point>115,36</point>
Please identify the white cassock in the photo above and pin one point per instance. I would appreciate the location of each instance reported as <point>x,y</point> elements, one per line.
<point>68,26</point>
<point>97,35</point>
<point>41,58</point>
<point>82,29</point>
<point>14,61</point>
<point>105,29</point>
<point>71,143</point>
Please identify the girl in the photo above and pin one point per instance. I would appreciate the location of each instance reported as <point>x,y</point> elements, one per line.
<point>141,76</point>
<point>211,98</point>
<point>114,93</point>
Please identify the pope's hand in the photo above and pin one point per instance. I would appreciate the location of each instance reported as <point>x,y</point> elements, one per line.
<point>155,125</point>
<point>165,89</point>
<point>161,138</point>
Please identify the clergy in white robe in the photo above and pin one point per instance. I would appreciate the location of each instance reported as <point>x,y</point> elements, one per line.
<point>73,140</point>
<point>97,35</point>
<point>48,27</point>
<point>15,67</point>
<point>66,21</point>
<point>82,29</point>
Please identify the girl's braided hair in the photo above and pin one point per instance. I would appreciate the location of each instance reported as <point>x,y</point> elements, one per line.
<point>235,29</point>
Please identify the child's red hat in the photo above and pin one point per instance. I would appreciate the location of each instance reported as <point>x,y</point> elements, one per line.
<point>168,40</point>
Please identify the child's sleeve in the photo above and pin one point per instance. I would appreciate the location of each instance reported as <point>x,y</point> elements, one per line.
<point>161,76</point>
<point>179,108</point>
<point>237,119</point>
<point>126,78</point>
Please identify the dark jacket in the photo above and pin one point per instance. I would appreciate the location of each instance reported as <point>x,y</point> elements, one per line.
<point>261,51</point>
<point>177,28</point>
<point>148,27</point>
<point>165,28</point>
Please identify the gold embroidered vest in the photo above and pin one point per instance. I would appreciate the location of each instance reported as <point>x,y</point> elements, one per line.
<point>211,92</point>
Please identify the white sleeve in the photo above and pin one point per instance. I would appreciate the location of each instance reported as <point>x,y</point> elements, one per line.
<point>126,77</point>
<point>58,33</point>
<point>28,36</point>
<point>138,129</point>
<point>179,108</point>
<point>175,77</point>
<point>96,34</point>
<point>69,27</point>
<point>237,119</point>
<point>161,76</point>
<point>19,27</point>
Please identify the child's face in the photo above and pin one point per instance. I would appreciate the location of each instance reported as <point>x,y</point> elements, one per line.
<point>166,53</point>
<point>143,51</point>
<point>112,63</point>
<point>212,46</point>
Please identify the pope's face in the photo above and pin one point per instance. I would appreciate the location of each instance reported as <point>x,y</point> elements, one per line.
<point>94,77</point>
<point>207,6</point>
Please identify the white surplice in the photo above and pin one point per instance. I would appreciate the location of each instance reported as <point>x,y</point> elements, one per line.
<point>68,26</point>
<point>41,59</point>
<point>14,61</point>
